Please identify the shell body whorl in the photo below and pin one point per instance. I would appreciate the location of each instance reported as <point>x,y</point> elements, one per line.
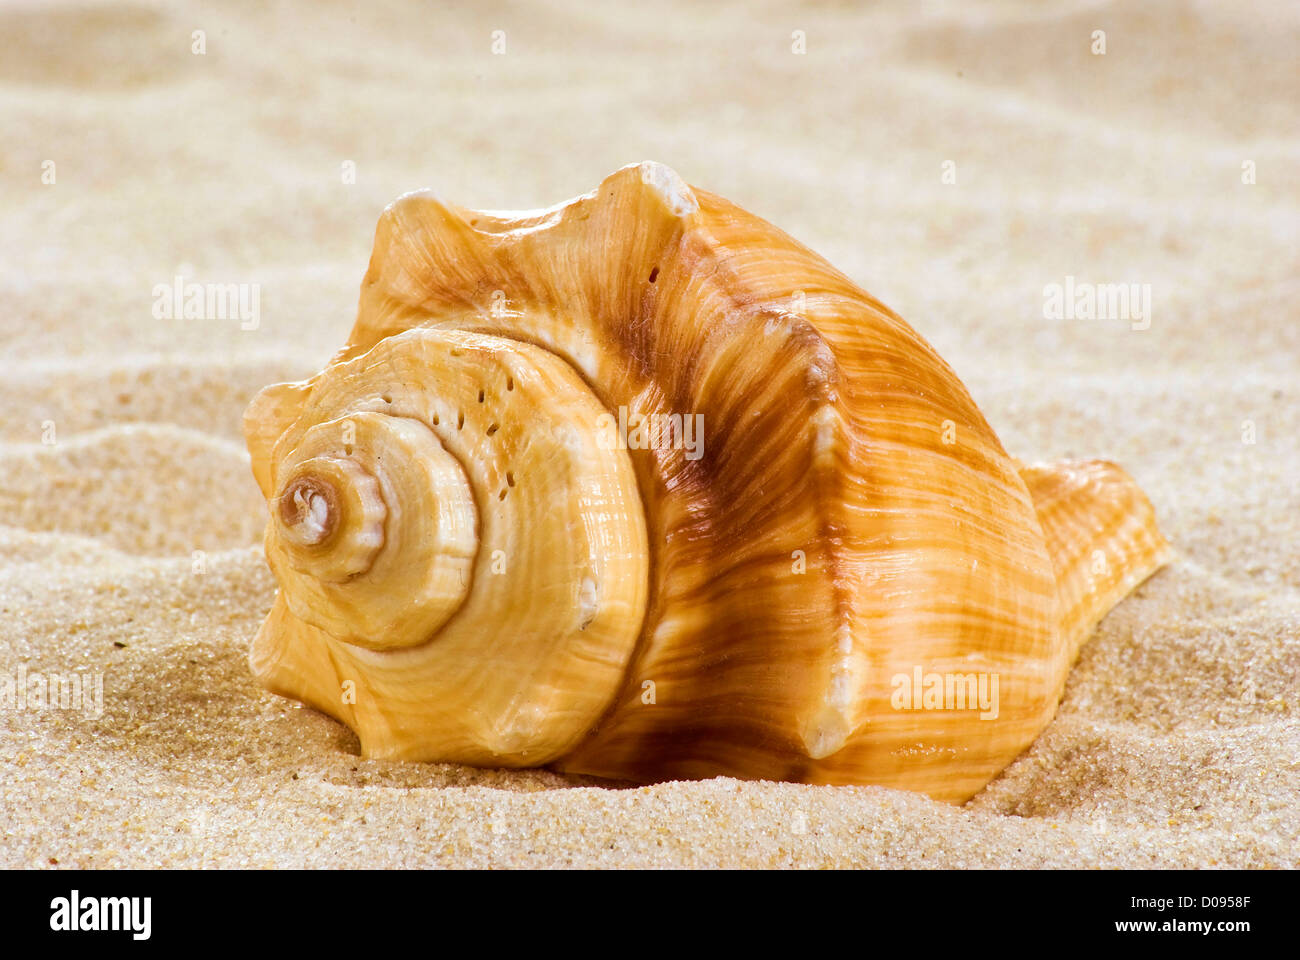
<point>545,589</point>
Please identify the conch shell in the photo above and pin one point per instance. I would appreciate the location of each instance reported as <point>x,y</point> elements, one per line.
<point>502,537</point>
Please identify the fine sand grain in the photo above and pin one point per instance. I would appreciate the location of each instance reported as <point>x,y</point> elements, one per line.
<point>130,545</point>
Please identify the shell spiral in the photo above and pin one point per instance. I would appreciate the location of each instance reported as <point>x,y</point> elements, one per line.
<point>637,486</point>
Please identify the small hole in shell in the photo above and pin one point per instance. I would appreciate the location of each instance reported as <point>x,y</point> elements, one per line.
<point>480,396</point>
<point>502,494</point>
<point>436,421</point>
<point>387,399</point>
<point>347,448</point>
<point>493,429</point>
<point>510,383</point>
<point>654,274</point>
<point>460,419</point>
<point>510,478</point>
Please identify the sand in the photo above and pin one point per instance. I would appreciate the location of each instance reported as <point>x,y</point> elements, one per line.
<point>130,545</point>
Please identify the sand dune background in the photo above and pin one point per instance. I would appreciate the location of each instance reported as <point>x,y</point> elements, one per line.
<point>131,526</point>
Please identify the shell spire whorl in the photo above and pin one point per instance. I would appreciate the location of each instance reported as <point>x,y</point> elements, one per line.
<point>332,542</point>
<point>330,517</point>
<point>662,494</point>
<point>510,549</point>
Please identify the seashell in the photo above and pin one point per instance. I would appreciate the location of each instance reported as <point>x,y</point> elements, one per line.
<point>498,544</point>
